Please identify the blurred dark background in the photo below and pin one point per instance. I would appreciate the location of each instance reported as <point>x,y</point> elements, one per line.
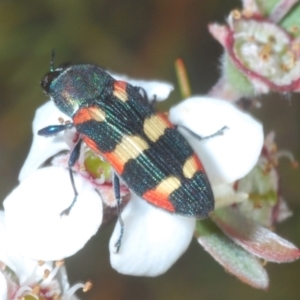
<point>141,39</point>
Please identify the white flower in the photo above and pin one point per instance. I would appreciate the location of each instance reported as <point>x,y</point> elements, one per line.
<point>153,239</point>
<point>265,204</point>
<point>21,276</point>
<point>33,214</point>
<point>261,52</point>
<point>230,156</point>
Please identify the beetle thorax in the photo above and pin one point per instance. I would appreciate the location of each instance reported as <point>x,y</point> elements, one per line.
<point>75,87</point>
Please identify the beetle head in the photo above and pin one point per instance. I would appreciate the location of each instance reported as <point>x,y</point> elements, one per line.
<point>72,87</point>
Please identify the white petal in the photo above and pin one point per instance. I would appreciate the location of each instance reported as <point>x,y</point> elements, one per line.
<point>32,214</point>
<point>23,267</point>
<point>225,195</point>
<point>230,156</point>
<point>153,239</point>
<point>158,90</point>
<point>42,147</point>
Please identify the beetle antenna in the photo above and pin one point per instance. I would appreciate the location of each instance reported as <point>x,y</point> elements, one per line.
<point>52,60</point>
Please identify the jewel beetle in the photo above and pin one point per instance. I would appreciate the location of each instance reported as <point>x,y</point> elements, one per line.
<point>116,121</point>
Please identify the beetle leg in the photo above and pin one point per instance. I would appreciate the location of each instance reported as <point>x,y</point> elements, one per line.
<point>200,138</point>
<point>72,160</point>
<point>144,95</point>
<point>154,101</point>
<point>118,198</point>
<point>54,129</point>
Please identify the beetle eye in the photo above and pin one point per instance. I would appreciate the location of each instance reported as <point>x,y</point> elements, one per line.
<point>47,80</point>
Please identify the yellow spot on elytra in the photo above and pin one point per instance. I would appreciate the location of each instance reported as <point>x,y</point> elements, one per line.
<point>120,90</point>
<point>96,113</point>
<point>86,114</point>
<point>168,185</point>
<point>130,147</point>
<point>154,127</point>
<point>189,167</point>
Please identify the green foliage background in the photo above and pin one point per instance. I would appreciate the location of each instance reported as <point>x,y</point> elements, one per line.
<point>141,39</point>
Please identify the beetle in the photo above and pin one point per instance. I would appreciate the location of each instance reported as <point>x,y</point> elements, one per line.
<point>116,121</point>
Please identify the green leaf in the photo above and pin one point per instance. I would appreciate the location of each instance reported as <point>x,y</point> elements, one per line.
<point>253,237</point>
<point>8,272</point>
<point>266,6</point>
<point>236,78</point>
<point>232,257</point>
<point>292,20</point>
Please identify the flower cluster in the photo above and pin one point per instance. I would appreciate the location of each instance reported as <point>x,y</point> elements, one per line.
<point>24,278</point>
<point>262,49</point>
<point>153,239</point>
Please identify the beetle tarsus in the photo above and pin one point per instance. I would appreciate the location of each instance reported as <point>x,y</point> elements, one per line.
<point>66,211</point>
<point>118,198</point>
<point>72,160</point>
<point>200,138</point>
